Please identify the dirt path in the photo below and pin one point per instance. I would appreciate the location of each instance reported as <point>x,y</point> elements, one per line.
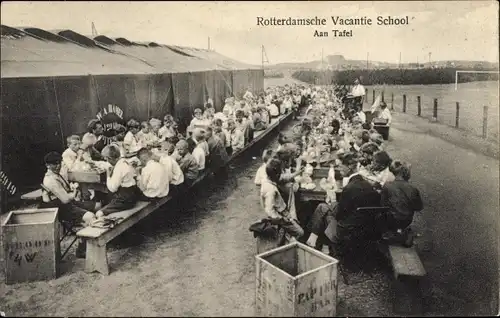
<point>460,221</point>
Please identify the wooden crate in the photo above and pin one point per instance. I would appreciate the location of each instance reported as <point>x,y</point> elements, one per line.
<point>87,176</point>
<point>265,244</point>
<point>31,245</point>
<point>296,281</point>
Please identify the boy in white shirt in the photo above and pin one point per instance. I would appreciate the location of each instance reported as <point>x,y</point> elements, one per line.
<point>198,121</point>
<point>176,177</point>
<point>146,136</point>
<point>261,175</point>
<point>169,128</point>
<point>154,179</point>
<point>71,155</point>
<point>228,108</point>
<point>131,142</point>
<point>237,137</point>
<point>120,182</point>
<point>199,153</point>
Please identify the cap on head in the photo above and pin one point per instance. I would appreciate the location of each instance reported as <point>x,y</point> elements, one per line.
<point>92,124</point>
<point>52,158</point>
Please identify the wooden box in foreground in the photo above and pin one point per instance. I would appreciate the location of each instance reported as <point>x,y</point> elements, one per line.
<point>31,245</point>
<point>296,281</point>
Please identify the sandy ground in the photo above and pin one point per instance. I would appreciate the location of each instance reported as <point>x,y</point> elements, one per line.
<point>197,259</point>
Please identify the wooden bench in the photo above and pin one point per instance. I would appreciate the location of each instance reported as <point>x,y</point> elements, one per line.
<point>32,196</point>
<point>408,270</point>
<point>96,258</point>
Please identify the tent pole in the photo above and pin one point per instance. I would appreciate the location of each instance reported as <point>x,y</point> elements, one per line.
<point>58,113</point>
<point>92,82</point>
<point>149,97</point>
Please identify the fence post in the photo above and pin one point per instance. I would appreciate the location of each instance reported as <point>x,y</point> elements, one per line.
<point>383,99</point>
<point>392,101</point>
<point>419,108</point>
<point>457,115</point>
<point>373,96</point>
<point>404,103</point>
<point>435,112</point>
<point>485,122</point>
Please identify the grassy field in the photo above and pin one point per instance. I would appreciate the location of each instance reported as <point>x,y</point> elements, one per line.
<point>471,96</point>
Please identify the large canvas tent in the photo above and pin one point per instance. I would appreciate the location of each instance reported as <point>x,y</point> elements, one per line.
<point>54,82</point>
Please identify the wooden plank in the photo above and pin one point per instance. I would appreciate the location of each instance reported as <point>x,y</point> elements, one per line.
<point>406,261</point>
<point>96,258</point>
<point>33,195</point>
<point>93,232</point>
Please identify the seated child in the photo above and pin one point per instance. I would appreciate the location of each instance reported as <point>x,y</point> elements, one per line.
<point>402,198</point>
<point>219,132</point>
<point>71,155</point>
<point>217,151</point>
<point>168,146</point>
<point>155,125</point>
<point>260,176</point>
<point>153,179</point>
<point>198,121</point>
<point>169,128</point>
<point>146,136</point>
<point>120,181</point>
<point>175,173</point>
<point>237,136</point>
<point>200,150</point>
<point>131,142</point>
<point>273,204</point>
<point>187,162</point>
<point>59,193</point>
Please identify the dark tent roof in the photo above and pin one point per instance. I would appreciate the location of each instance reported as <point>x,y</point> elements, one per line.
<point>37,56</point>
<point>215,57</point>
<point>164,59</point>
<point>34,52</point>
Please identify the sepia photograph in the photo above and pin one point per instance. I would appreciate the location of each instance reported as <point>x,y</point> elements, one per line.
<point>249,159</point>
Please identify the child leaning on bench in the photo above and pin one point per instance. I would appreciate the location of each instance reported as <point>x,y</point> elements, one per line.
<point>58,193</point>
<point>120,182</point>
<point>401,197</point>
<point>273,204</point>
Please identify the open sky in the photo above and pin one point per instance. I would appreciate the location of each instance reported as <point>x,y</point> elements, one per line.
<point>451,30</point>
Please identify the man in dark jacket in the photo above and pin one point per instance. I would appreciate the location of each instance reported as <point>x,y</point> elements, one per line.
<point>354,227</point>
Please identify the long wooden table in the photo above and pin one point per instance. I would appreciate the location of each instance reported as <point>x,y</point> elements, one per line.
<point>318,193</point>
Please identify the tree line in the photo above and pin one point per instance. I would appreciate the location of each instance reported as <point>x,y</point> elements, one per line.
<point>392,76</point>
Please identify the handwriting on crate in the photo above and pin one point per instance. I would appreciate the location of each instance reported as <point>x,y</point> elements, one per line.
<point>28,244</point>
<point>18,258</point>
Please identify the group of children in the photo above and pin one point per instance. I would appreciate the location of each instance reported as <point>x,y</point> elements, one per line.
<point>362,175</point>
<point>151,159</point>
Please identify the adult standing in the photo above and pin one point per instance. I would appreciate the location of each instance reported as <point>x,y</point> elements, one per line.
<point>358,92</point>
